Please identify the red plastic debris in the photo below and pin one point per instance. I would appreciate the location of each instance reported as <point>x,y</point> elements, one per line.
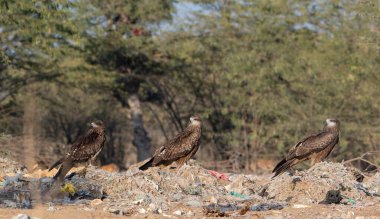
<point>218,175</point>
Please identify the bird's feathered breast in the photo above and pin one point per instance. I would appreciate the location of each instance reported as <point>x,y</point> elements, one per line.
<point>88,145</point>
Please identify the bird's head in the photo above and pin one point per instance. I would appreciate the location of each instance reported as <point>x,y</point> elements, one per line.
<point>332,123</point>
<point>97,124</point>
<point>195,120</point>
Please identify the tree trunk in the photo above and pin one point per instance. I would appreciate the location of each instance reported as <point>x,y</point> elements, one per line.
<point>141,139</point>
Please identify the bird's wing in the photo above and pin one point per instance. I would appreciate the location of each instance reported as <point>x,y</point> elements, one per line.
<point>179,146</point>
<point>85,147</point>
<point>312,144</point>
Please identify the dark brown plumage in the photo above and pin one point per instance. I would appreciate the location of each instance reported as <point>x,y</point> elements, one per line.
<point>315,147</point>
<point>179,149</point>
<point>84,149</point>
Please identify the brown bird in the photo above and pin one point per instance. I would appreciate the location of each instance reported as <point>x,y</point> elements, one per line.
<point>84,149</point>
<point>316,147</point>
<point>179,149</point>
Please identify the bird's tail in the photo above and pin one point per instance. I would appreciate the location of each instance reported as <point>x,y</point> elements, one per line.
<point>59,162</point>
<point>283,166</point>
<point>148,164</point>
<point>63,170</point>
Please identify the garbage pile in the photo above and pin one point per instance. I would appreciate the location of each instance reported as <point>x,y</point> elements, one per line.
<point>311,186</point>
<point>192,190</point>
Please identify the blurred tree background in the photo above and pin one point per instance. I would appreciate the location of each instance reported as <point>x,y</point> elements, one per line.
<point>261,74</point>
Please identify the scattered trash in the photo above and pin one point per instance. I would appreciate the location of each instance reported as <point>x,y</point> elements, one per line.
<point>352,201</point>
<point>235,194</point>
<point>194,203</point>
<point>267,207</point>
<point>190,213</point>
<point>360,187</point>
<point>52,208</point>
<point>214,210</point>
<point>194,190</point>
<point>244,210</point>
<point>332,197</point>
<point>21,216</point>
<point>114,210</point>
<point>301,206</point>
<point>222,176</point>
<point>69,188</point>
<point>142,199</point>
<point>179,213</point>
<point>142,211</point>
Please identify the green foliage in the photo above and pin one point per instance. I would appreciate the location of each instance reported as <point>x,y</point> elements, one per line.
<point>262,74</point>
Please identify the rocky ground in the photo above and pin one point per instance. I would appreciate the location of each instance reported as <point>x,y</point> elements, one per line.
<point>329,190</point>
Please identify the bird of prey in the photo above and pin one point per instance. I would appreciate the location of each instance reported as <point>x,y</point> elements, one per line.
<point>84,149</point>
<point>179,149</point>
<point>316,147</point>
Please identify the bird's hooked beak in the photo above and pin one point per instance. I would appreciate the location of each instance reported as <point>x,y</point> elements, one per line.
<point>94,125</point>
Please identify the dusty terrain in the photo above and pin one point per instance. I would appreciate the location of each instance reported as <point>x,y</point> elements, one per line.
<point>191,191</point>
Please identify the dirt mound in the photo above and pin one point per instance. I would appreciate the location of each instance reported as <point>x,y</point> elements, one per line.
<point>312,186</point>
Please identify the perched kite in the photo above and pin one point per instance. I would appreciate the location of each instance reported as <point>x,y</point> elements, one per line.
<point>179,149</point>
<point>83,150</point>
<point>315,147</point>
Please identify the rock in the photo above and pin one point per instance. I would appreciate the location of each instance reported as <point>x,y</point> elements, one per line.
<point>21,216</point>
<point>96,202</point>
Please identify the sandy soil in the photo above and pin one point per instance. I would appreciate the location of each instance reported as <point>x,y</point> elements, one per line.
<point>314,211</point>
